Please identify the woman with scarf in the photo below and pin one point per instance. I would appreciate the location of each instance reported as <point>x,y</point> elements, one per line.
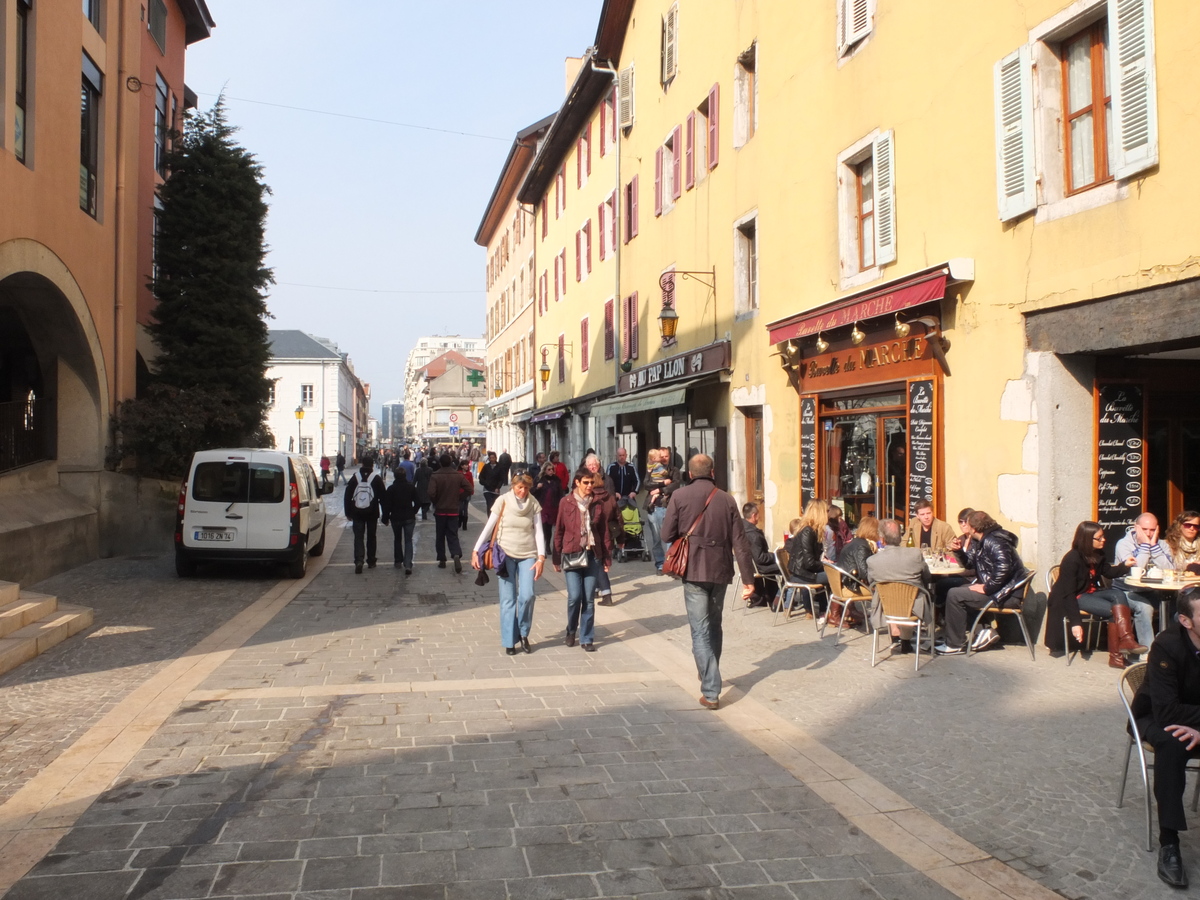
<point>583,548</point>
<point>603,494</point>
<point>1183,540</point>
<point>515,525</point>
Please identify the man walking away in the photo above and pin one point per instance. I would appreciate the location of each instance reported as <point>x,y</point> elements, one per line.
<point>717,535</point>
<point>421,482</point>
<point>447,488</point>
<point>625,480</point>
<point>400,507</point>
<point>364,494</point>
<point>489,477</point>
<point>409,467</point>
<point>341,469</point>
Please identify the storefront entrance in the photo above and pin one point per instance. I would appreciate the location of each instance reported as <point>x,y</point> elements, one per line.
<point>865,456</point>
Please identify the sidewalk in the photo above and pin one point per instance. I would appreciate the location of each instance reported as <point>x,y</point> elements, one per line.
<point>369,739</point>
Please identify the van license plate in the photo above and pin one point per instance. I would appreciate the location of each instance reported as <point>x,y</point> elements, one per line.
<point>214,535</point>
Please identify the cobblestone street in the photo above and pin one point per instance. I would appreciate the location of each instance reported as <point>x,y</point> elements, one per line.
<point>368,738</point>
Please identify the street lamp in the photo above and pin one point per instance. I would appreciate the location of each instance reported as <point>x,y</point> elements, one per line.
<point>299,419</point>
<point>668,322</point>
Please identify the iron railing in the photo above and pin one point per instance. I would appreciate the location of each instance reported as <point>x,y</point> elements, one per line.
<point>26,427</point>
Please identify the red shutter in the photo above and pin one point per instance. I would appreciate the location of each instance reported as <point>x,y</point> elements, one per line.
<point>542,294</point>
<point>624,329</point>
<point>562,358</point>
<point>658,167</point>
<point>633,325</point>
<point>714,125</point>
<point>588,134</point>
<point>556,281</point>
<point>583,345</point>
<point>600,229</point>
<point>689,169</point>
<point>633,208</point>
<point>608,329</point>
<point>587,244</point>
<point>579,162</point>
<point>578,256</point>
<point>612,221</point>
<point>676,163</point>
<point>604,127</point>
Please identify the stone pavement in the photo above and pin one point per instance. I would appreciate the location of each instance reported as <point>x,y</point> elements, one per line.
<point>369,739</point>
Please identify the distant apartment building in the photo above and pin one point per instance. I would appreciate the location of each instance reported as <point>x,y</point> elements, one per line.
<point>391,422</point>
<point>426,349</point>
<point>315,397</point>
<point>507,233</point>
<point>90,95</point>
<point>451,400</point>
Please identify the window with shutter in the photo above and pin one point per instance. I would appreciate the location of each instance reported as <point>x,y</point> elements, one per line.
<point>625,97</point>
<point>883,154</point>
<point>543,306</point>
<point>587,246</point>
<point>1016,178</point>
<point>714,128</point>
<point>578,256</point>
<point>689,153</point>
<point>587,148</point>
<point>545,219</point>
<point>745,90</point>
<point>1134,101</point>
<point>658,176</point>
<point>609,334</point>
<point>556,280</point>
<point>562,358</point>
<point>584,348</point>
<point>600,223</point>
<point>633,326</point>
<point>676,163</point>
<point>604,119</point>
<point>633,208</point>
<point>670,44</point>
<point>854,22</point>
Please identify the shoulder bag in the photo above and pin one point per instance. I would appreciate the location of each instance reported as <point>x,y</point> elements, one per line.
<point>493,555</point>
<point>676,562</point>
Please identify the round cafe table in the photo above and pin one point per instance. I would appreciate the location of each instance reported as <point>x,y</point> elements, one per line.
<point>1167,590</point>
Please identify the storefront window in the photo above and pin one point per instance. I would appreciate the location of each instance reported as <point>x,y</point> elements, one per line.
<point>865,457</point>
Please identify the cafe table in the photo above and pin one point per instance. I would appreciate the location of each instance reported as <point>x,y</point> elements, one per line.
<point>1167,590</point>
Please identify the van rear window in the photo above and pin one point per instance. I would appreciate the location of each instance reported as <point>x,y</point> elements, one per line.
<point>237,482</point>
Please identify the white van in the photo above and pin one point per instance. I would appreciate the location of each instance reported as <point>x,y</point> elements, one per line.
<point>252,505</point>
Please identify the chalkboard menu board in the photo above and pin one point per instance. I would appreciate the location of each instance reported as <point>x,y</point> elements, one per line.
<point>1120,457</point>
<point>920,441</point>
<point>808,449</point>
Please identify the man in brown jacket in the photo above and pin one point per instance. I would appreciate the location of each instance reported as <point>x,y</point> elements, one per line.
<point>447,487</point>
<point>718,536</point>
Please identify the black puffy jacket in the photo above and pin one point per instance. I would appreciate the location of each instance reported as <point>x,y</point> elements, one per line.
<point>854,558</point>
<point>997,566</point>
<point>804,555</point>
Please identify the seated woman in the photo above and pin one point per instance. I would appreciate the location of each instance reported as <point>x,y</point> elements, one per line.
<point>853,559</point>
<point>806,550</point>
<point>1083,579</point>
<point>1183,540</point>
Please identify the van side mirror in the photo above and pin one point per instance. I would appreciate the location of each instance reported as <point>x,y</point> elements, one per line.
<point>326,488</point>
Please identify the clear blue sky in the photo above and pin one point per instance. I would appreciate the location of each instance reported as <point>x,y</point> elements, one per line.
<point>379,207</point>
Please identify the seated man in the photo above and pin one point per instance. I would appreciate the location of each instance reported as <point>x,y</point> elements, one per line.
<point>924,530</point>
<point>1141,543</point>
<point>765,589</point>
<point>903,564</point>
<point>1167,710</point>
<point>998,569</point>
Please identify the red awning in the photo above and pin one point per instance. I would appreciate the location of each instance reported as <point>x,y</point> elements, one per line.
<point>885,301</point>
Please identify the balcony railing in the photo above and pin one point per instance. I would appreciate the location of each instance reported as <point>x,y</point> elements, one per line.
<point>26,427</point>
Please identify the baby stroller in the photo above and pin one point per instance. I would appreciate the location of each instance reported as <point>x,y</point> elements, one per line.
<point>632,545</point>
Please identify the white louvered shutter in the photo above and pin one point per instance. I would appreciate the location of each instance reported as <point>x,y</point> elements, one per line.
<point>1016,172</point>
<point>1134,104</point>
<point>670,43</point>
<point>625,104</point>
<point>882,158</point>
<point>854,21</point>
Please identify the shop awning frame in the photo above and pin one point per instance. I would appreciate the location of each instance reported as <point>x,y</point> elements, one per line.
<point>883,300</point>
<point>675,395</point>
<point>550,416</point>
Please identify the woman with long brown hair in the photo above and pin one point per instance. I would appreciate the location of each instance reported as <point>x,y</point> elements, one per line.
<point>806,548</point>
<point>583,548</point>
<point>1183,539</point>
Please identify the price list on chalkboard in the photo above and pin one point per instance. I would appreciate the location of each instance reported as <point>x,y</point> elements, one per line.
<point>1120,457</point>
<point>920,441</point>
<point>808,449</point>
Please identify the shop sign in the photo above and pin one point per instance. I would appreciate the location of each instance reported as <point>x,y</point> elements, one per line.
<point>499,412</point>
<point>870,362</point>
<point>683,367</point>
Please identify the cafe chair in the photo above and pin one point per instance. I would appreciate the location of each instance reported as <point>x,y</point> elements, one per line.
<point>1131,679</point>
<point>1090,622</point>
<point>791,587</point>
<point>845,590</point>
<point>897,599</point>
<point>1014,605</point>
<point>765,576</point>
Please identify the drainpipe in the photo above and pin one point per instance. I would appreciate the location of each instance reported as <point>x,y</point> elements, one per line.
<point>617,202</point>
<point>118,211</point>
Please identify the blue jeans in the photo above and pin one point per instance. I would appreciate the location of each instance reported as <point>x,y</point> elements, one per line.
<point>705,602</point>
<point>581,608</point>
<point>653,531</point>
<point>402,542</point>
<point>516,600</point>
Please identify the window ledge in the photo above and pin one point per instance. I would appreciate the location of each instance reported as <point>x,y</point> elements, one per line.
<point>746,315</point>
<point>1082,202</point>
<point>866,276</point>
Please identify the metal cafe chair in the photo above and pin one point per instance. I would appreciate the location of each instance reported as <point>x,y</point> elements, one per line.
<point>1090,636</point>
<point>846,590</point>
<point>1017,597</point>
<point>787,595</point>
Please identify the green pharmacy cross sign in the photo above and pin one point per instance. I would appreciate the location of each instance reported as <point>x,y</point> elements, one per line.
<point>476,378</point>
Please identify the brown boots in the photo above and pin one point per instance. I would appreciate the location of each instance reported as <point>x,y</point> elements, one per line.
<point>1121,641</point>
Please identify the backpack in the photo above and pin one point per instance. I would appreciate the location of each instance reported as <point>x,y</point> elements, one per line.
<point>364,494</point>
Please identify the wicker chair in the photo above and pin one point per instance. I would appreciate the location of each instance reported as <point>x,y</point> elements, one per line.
<point>1020,592</point>
<point>787,595</point>
<point>897,599</point>
<point>1131,680</point>
<point>1090,635</point>
<point>845,590</point>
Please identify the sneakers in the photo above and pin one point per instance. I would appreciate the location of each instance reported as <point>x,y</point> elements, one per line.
<point>710,704</point>
<point>984,638</point>
<point>943,649</point>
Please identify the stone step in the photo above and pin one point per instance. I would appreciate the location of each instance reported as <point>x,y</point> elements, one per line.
<point>37,637</point>
<point>28,609</point>
<point>9,592</point>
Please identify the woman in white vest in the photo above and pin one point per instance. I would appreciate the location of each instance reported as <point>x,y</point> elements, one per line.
<point>516,523</point>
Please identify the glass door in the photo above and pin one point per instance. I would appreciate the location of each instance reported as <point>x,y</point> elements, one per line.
<point>893,488</point>
<point>864,457</point>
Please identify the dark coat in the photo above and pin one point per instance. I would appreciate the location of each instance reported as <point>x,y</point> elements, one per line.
<point>854,558</point>
<point>491,477</point>
<point>997,566</point>
<point>421,482</point>
<point>548,491</point>
<point>602,495</point>
<point>400,502</point>
<point>804,555</point>
<point>719,535</point>
<point>447,488</point>
<point>353,513</point>
<point>1063,603</point>
<point>505,464</point>
<point>1170,695</point>
<point>759,551</point>
<point>568,529</point>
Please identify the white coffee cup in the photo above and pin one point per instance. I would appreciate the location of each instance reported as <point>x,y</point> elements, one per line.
<point>1135,572</point>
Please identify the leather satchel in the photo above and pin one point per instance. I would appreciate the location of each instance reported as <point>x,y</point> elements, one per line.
<point>676,561</point>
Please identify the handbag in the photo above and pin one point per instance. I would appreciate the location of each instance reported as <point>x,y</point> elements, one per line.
<point>574,562</point>
<point>676,562</point>
<point>493,555</point>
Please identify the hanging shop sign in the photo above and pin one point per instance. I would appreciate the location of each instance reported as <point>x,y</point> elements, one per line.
<point>682,367</point>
